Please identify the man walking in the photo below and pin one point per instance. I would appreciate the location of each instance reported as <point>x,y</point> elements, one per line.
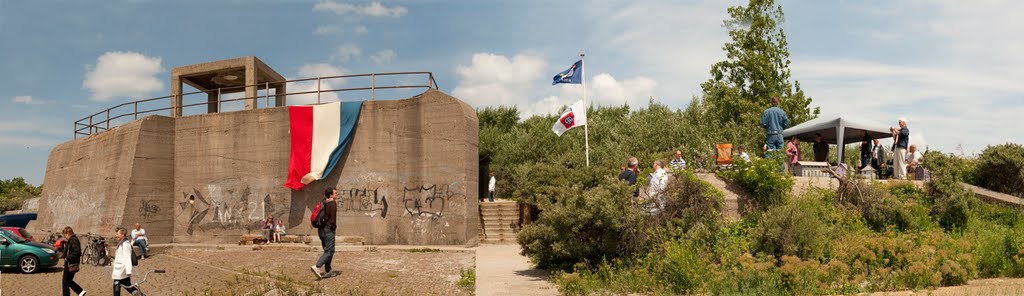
<point>326,233</point>
<point>899,161</point>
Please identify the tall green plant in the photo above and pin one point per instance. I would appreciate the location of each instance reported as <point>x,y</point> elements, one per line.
<point>755,70</point>
<point>1001,168</point>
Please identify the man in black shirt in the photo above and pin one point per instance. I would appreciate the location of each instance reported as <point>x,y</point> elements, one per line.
<point>629,175</point>
<point>820,148</point>
<point>326,233</point>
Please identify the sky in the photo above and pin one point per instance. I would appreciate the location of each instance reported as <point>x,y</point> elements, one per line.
<point>952,68</point>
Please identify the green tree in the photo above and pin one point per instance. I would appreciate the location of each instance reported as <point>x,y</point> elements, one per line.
<point>755,70</point>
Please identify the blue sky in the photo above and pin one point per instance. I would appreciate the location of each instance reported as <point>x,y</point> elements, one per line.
<point>951,67</point>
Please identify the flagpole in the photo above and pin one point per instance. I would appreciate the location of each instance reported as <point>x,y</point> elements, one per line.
<point>586,132</point>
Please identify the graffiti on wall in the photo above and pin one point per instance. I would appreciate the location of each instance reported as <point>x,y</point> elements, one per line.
<point>368,201</point>
<point>428,201</point>
<point>227,204</point>
<point>148,208</point>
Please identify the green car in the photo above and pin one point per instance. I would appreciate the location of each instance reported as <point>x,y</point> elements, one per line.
<point>27,256</point>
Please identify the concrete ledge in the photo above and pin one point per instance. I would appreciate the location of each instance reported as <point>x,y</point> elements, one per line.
<point>994,197</point>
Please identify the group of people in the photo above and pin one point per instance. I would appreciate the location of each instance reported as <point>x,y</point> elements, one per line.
<point>122,265</point>
<point>657,181</point>
<point>272,231</point>
<point>906,156</point>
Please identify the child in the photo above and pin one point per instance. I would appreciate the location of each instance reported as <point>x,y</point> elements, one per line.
<point>279,232</point>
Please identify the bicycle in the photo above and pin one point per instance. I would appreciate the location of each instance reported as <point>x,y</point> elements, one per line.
<point>95,251</point>
<point>138,291</point>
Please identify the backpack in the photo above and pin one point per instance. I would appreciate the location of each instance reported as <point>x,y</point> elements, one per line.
<point>318,218</point>
<point>135,259</point>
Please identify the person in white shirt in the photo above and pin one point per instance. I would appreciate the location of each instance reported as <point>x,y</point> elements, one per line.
<point>490,186</point>
<point>657,186</point>
<point>122,267</point>
<point>279,232</point>
<point>139,239</point>
<point>743,154</point>
<point>913,158</point>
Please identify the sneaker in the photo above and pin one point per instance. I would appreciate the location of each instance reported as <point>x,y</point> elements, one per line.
<point>82,294</point>
<point>316,271</point>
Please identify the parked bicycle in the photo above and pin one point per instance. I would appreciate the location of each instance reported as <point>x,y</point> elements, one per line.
<point>56,240</point>
<point>95,251</point>
<point>138,290</point>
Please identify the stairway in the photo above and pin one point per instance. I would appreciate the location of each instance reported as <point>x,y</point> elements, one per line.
<point>499,222</point>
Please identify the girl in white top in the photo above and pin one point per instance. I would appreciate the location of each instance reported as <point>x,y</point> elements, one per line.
<point>122,273</point>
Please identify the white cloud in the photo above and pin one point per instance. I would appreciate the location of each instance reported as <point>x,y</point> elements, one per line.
<point>31,134</point>
<point>492,80</point>
<point>964,95</point>
<point>346,52</point>
<point>386,56</point>
<point>326,30</point>
<point>372,9</point>
<point>361,30</point>
<point>524,81</point>
<point>683,45</point>
<point>313,71</point>
<point>27,100</point>
<point>123,74</point>
<point>320,70</point>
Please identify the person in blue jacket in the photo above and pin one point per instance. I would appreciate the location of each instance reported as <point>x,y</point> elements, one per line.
<point>774,120</point>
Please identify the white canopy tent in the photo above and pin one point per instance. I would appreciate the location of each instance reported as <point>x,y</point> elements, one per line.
<point>838,130</point>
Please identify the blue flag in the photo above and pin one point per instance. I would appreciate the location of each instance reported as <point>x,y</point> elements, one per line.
<point>573,75</point>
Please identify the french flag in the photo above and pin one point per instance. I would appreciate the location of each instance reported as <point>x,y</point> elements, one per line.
<point>320,134</point>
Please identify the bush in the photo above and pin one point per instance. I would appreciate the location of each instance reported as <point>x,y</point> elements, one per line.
<point>761,177</point>
<point>793,229</point>
<point>951,205</point>
<point>580,226</point>
<point>1001,168</point>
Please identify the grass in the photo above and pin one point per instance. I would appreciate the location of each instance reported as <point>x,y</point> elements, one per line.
<point>467,279</point>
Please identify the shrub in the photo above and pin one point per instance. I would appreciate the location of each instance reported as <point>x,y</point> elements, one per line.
<point>682,268</point>
<point>689,201</point>
<point>761,177</point>
<point>951,205</point>
<point>1001,168</point>
<point>580,226</point>
<point>792,229</point>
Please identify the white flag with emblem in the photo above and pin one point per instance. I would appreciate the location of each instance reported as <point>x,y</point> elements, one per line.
<point>575,115</point>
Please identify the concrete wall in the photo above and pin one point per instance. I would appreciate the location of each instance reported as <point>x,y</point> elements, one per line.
<point>409,176</point>
<point>233,164</point>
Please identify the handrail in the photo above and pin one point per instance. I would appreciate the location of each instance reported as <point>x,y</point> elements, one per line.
<point>92,124</point>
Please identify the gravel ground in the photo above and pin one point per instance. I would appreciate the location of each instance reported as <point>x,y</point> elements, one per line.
<point>232,270</point>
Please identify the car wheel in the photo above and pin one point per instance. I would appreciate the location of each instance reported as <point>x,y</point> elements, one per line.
<point>28,264</point>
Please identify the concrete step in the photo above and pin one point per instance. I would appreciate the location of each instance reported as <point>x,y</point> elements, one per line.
<point>498,223</point>
<point>498,231</point>
<point>499,241</point>
<point>499,211</point>
<point>497,205</point>
<point>499,218</point>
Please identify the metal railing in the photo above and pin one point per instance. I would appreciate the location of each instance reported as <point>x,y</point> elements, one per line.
<point>101,121</point>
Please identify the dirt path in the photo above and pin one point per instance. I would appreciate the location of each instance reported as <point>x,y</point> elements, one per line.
<point>501,270</point>
<point>228,270</point>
